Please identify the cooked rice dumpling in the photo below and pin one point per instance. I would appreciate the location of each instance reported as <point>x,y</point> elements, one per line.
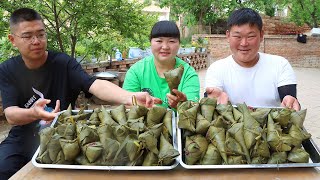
<point>155,115</point>
<point>282,116</point>
<point>173,77</point>
<point>167,121</point>
<point>133,148</point>
<point>92,151</point>
<point>232,146</point>
<point>105,117</point>
<point>44,158</point>
<point>298,117</point>
<point>251,127</point>
<point>54,147</point>
<point>259,160</point>
<point>119,114</point>
<point>278,158</point>
<point>137,111</point>
<point>136,125</point>
<point>66,113</point>
<point>185,105</point>
<point>110,147</point>
<point>261,115</point>
<point>70,148</point>
<point>195,148</point>
<point>202,125</point>
<point>237,132</point>
<point>235,160</point>
<point>220,121</point>
<point>187,118</point>
<point>151,159</point>
<point>167,153</point>
<point>94,118</point>
<point>212,156</point>
<point>207,107</point>
<point>67,130</point>
<point>226,110</point>
<point>149,141</point>
<point>237,115</point>
<point>298,133</point>
<point>45,136</point>
<point>87,135</point>
<point>120,132</point>
<point>217,136</point>
<point>298,155</point>
<point>274,138</point>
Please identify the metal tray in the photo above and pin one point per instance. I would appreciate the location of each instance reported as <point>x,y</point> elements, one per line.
<point>308,145</point>
<point>62,166</point>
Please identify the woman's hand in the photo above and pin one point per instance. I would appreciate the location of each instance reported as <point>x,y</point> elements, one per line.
<point>173,100</point>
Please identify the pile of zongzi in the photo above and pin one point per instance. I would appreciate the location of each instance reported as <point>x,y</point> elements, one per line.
<point>214,134</point>
<point>139,137</point>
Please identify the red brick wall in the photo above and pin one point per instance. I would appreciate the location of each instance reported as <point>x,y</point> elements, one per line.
<point>281,26</point>
<point>298,54</point>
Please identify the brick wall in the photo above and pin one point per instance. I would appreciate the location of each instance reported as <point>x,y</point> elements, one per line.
<point>197,60</point>
<point>281,26</point>
<point>298,54</point>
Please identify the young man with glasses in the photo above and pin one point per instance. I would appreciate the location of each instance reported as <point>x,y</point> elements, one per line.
<point>37,80</point>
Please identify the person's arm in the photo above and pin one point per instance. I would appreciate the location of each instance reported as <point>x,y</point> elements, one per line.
<point>21,116</point>
<point>288,94</point>
<point>110,92</point>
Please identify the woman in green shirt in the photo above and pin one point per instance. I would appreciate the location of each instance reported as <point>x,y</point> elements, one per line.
<point>147,74</point>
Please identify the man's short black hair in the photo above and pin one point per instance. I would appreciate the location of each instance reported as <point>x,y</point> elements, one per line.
<point>23,14</point>
<point>244,16</point>
<point>165,29</point>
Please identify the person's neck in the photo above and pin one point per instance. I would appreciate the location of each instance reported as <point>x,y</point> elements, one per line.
<point>164,66</point>
<point>248,64</point>
<point>35,63</point>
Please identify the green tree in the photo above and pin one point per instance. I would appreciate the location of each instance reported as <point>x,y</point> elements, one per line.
<point>305,11</point>
<point>94,23</point>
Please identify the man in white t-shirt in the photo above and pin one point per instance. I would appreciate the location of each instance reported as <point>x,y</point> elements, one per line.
<point>258,79</point>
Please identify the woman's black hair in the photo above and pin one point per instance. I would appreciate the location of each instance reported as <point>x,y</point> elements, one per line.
<point>165,29</point>
<point>244,16</point>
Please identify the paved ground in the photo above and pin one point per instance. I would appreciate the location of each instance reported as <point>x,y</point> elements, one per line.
<point>308,95</point>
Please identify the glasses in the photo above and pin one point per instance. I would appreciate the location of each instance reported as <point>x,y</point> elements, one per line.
<point>31,38</point>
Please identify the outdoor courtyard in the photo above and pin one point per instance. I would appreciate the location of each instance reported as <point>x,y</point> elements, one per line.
<point>308,95</point>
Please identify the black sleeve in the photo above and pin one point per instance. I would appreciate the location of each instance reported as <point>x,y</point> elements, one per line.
<point>290,89</point>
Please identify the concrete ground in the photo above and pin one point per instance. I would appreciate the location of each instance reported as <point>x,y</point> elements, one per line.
<point>308,95</point>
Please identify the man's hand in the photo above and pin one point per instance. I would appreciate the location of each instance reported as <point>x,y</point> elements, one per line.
<point>41,113</point>
<point>143,98</point>
<point>222,97</point>
<point>173,100</point>
<point>291,103</point>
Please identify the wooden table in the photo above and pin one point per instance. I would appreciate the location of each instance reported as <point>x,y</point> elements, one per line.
<point>31,172</point>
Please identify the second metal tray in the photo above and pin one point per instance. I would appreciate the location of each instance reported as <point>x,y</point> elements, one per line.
<point>308,145</point>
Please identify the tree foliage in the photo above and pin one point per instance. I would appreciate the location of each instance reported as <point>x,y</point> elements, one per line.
<point>305,11</point>
<point>87,28</point>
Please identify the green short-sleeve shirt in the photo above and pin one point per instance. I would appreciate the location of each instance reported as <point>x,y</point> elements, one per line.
<point>142,76</point>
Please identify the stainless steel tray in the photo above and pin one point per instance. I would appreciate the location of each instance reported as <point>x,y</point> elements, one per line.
<point>62,166</point>
<point>308,145</point>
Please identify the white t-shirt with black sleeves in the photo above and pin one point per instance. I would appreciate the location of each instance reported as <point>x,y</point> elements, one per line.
<point>256,86</point>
